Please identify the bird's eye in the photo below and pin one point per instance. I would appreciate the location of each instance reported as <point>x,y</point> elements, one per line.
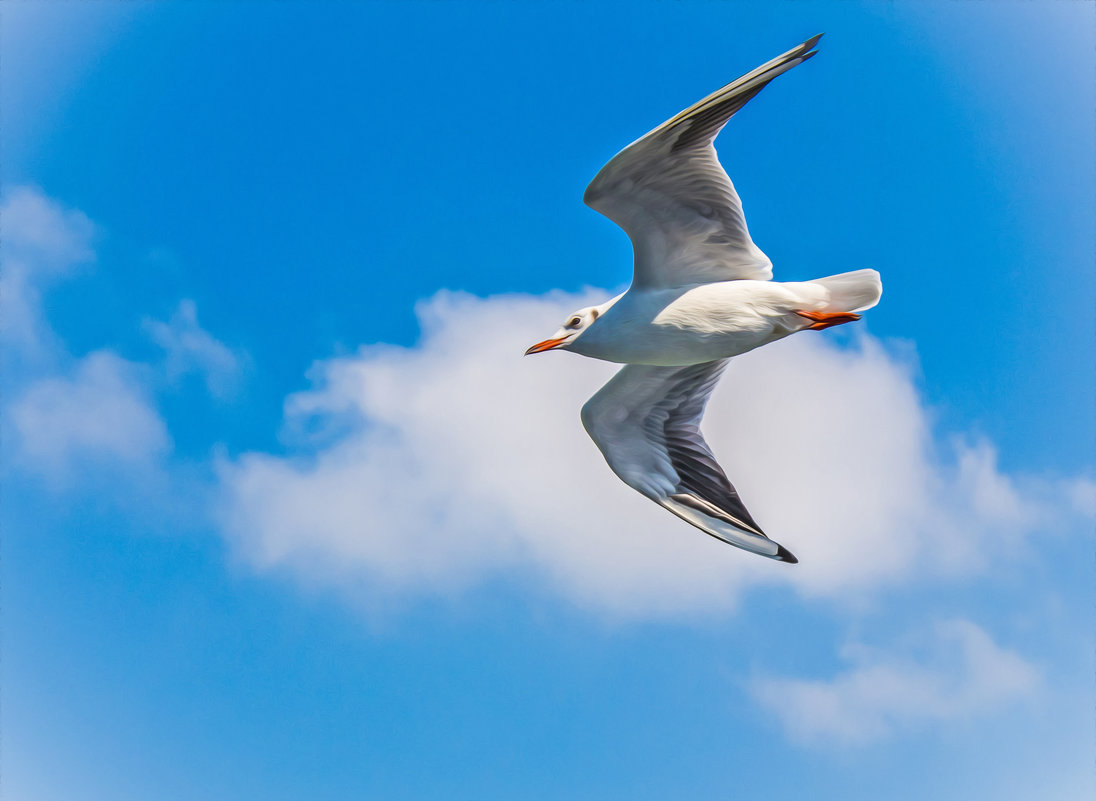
<point>574,322</point>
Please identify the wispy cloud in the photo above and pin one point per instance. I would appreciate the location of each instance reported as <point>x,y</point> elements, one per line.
<point>1082,494</point>
<point>954,673</point>
<point>189,348</point>
<point>42,242</point>
<point>416,470</point>
<point>92,419</point>
<point>43,235</point>
<point>65,416</point>
<point>100,415</point>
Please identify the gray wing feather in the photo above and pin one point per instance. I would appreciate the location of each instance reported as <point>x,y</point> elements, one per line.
<point>646,422</point>
<point>672,197</point>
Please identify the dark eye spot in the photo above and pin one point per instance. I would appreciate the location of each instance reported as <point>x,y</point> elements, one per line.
<point>574,322</point>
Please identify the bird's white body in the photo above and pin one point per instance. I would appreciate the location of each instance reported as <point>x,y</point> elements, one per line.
<point>701,293</point>
<point>701,323</point>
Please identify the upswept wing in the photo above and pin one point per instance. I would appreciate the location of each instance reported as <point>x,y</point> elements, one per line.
<point>646,422</point>
<point>672,197</point>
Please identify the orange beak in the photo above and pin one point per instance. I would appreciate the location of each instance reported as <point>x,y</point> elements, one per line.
<point>547,344</point>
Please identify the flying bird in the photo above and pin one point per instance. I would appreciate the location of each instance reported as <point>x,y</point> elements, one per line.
<point>701,293</point>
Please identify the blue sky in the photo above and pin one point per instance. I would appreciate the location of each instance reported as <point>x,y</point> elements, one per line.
<point>277,523</point>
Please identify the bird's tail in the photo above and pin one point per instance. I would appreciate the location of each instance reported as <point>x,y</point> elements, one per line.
<point>852,292</point>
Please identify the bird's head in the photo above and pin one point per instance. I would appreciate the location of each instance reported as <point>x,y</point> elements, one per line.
<point>573,327</point>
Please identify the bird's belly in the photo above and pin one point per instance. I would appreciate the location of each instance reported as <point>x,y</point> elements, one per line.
<point>675,346</point>
<point>672,345</point>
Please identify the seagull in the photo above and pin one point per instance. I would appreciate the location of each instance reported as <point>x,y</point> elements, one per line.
<point>701,293</point>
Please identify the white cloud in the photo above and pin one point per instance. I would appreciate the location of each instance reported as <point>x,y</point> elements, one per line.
<point>101,414</point>
<point>1082,495</point>
<point>42,241</point>
<point>84,419</point>
<point>65,418</point>
<point>190,348</point>
<point>41,231</point>
<point>427,468</point>
<point>956,673</point>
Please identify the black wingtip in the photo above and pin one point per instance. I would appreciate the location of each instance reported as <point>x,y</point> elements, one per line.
<point>784,555</point>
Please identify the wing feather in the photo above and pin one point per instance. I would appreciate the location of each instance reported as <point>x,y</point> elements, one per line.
<point>670,194</point>
<point>646,422</point>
